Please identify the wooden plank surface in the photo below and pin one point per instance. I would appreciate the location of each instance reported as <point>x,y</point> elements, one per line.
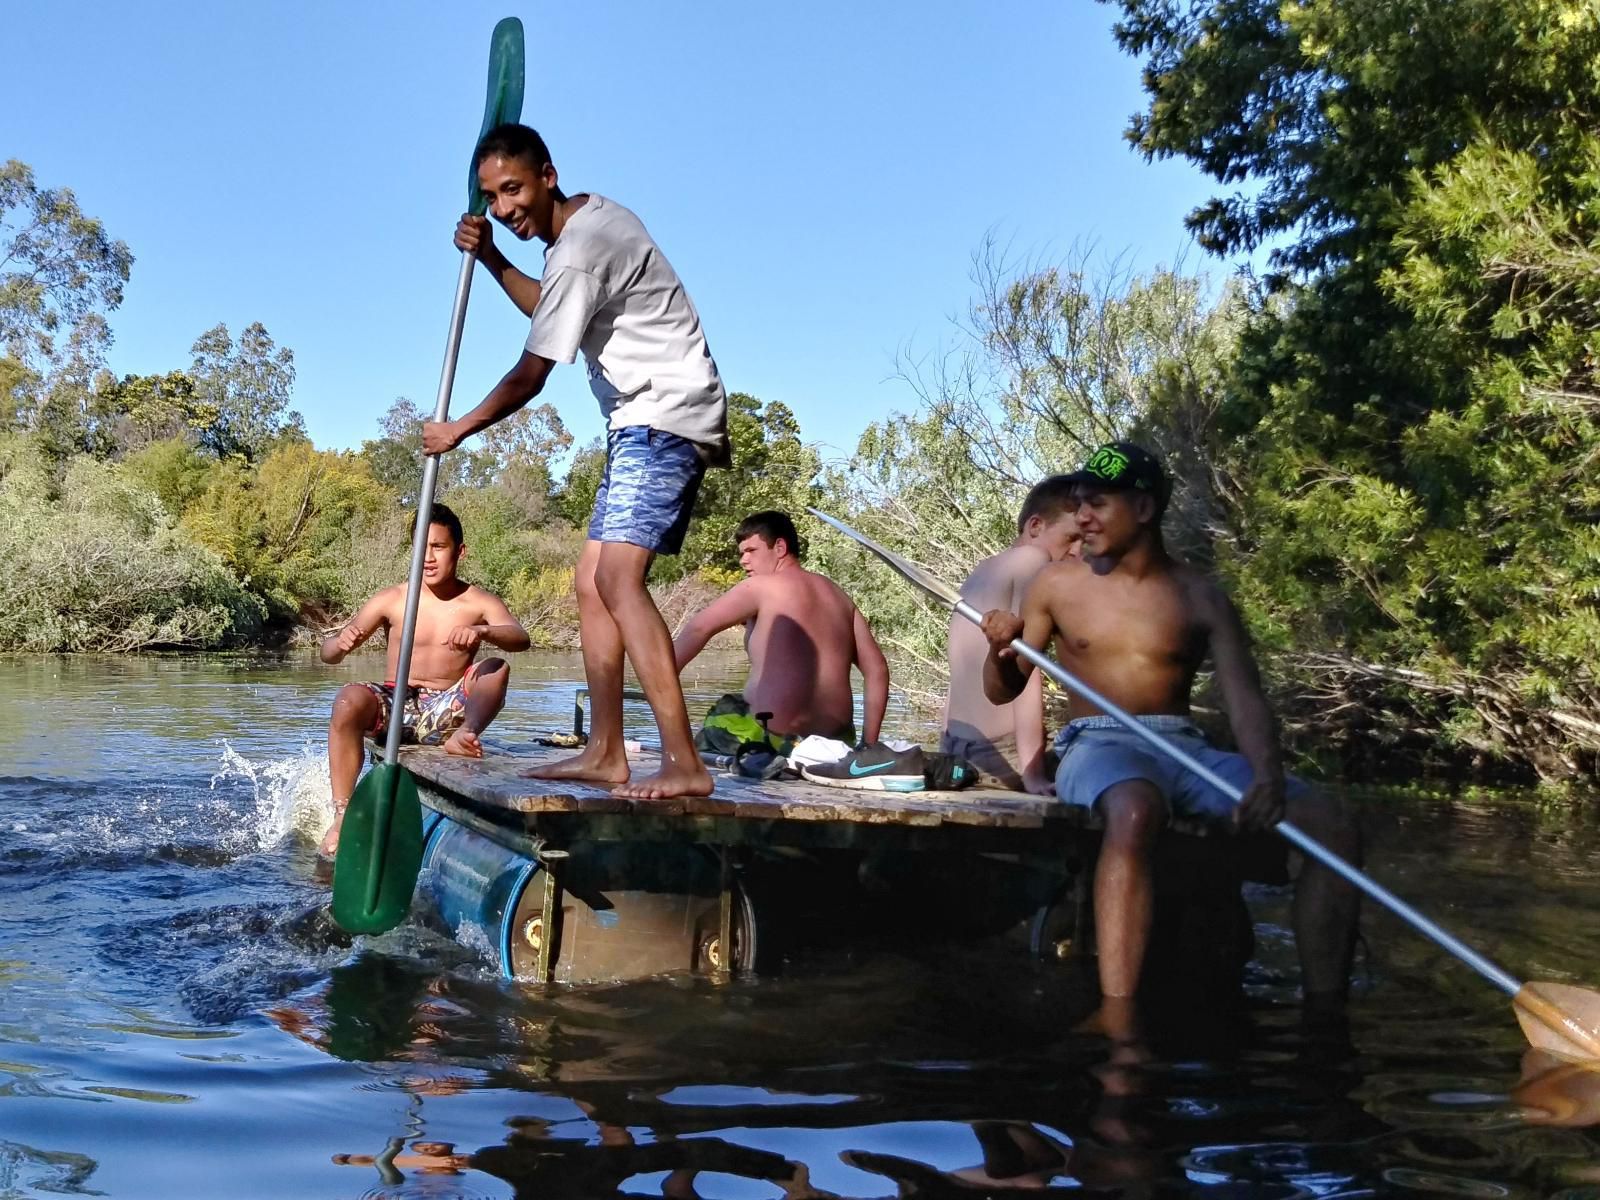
<point>498,781</point>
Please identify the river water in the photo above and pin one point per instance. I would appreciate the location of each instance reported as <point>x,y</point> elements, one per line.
<point>177,1018</point>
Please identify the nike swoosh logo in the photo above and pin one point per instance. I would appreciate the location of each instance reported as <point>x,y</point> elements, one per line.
<point>868,770</point>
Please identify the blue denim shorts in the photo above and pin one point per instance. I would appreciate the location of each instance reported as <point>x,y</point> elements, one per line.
<point>1097,753</point>
<point>651,481</point>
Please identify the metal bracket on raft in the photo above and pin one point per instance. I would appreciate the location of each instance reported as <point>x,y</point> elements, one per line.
<point>579,697</point>
<point>728,963</point>
<point>551,916</point>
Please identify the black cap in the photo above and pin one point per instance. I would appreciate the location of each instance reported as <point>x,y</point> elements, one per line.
<point>1125,465</point>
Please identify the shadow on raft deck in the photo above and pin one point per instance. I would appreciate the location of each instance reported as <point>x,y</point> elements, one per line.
<point>647,886</point>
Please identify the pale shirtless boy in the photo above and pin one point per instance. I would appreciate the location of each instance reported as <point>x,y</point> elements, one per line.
<point>451,698</point>
<point>1005,742</point>
<point>803,634</point>
<point>1136,626</point>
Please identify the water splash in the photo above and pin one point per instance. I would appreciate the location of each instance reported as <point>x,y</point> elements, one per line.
<point>289,795</point>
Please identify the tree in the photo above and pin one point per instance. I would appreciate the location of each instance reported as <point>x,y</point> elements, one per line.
<point>155,408</point>
<point>284,528</point>
<point>772,469</point>
<point>59,273</point>
<point>1410,420</point>
<point>576,496</point>
<point>174,470</point>
<point>395,459</point>
<point>1055,358</point>
<point>513,455</point>
<point>248,384</point>
<point>96,564</point>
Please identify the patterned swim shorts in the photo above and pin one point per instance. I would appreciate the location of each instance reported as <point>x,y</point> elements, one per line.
<point>650,484</point>
<point>429,716</point>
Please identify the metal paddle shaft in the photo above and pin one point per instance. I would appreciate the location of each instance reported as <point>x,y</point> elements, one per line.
<point>1302,840</point>
<point>408,626</point>
<point>419,539</point>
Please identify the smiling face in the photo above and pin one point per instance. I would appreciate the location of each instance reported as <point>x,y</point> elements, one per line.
<point>1112,519</point>
<point>521,198</point>
<point>439,567</point>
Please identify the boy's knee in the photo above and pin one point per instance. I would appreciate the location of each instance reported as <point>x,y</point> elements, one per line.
<point>493,673</point>
<point>617,580</point>
<point>1326,818</point>
<point>1134,814</point>
<point>588,588</point>
<point>354,705</point>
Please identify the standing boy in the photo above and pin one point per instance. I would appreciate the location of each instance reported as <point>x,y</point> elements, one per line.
<point>449,698</point>
<point>609,291</point>
<point>1005,742</point>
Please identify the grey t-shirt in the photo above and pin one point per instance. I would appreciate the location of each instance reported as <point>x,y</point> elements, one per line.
<point>609,291</point>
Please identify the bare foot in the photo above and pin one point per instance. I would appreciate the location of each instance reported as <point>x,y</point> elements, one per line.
<point>590,766</point>
<point>464,743</point>
<point>1117,1018</point>
<point>674,779</point>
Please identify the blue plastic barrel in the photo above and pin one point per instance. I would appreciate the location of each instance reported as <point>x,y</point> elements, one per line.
<point>476,882</point>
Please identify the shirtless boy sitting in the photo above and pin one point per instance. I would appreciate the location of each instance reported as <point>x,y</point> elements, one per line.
<point>1136,626</point>
<point>1005,742</point>
<point>450,698</point>
<point>802,634</point>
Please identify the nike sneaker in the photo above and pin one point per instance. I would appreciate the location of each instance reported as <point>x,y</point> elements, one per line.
<point>875,768</point>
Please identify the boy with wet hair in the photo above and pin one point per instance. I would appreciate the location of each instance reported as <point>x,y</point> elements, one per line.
<point>449,698</point>
<point>1006,742</point>
<point>608,291</point>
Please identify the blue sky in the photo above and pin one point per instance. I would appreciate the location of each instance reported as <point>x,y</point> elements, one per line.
<point>819,174</point>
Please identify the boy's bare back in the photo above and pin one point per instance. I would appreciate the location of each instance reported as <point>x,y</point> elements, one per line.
<point>801,647</point>
<point>999,581</point>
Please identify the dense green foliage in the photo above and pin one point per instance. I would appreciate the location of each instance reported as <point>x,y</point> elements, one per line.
<point>1410,431</point>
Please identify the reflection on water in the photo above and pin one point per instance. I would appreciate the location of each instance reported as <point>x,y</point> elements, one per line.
<point>178,1016</point>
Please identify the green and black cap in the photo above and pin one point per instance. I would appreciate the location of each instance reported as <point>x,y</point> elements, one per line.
<point>1128,466</point>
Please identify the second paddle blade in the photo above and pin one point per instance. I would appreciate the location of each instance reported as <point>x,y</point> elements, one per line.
<point>1560,1018</point>
<point>380,852</point>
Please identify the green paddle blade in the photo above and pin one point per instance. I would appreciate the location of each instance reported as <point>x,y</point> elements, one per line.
<point>380,852</point>
<point>504,102</point>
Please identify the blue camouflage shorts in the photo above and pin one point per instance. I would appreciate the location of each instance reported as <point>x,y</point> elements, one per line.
<point>1097,753</point>
<point>650,484</point>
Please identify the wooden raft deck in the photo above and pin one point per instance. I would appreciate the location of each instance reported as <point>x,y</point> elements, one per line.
<point>492,795</point>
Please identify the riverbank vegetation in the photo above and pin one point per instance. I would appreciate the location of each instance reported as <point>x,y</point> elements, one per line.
<point>1385,439</point>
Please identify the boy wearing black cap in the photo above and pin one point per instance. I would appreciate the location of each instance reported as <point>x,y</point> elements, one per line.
<point>1137,627</point>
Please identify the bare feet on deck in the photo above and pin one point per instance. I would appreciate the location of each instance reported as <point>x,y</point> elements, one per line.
<point>674,779</point>
<point>587,767</point>
<point>464,743</point>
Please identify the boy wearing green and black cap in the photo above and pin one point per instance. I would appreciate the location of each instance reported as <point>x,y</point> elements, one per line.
<point>1136,627</point>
